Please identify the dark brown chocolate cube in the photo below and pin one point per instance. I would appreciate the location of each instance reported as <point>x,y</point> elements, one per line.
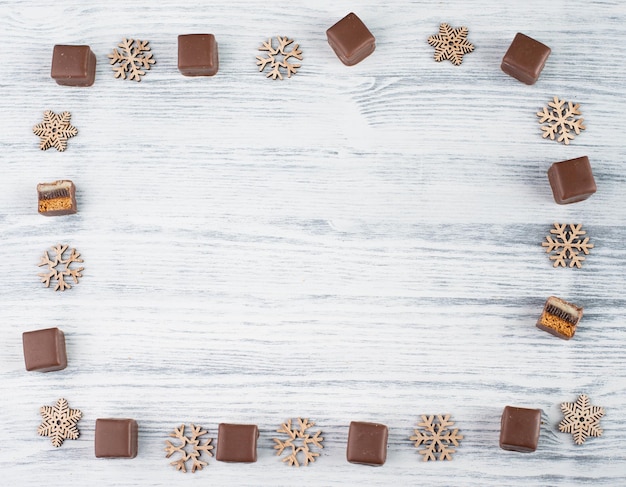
<point>525,59</point>
<point>367,443</point>
<point>519,429</point>
<point>44,350</point>
<point>73,65</point>
<point>197,55</point>
<point>351,40</point>
<point>116,438</point>
<point>237,442</point>
<point>57,198</point>
<point>571,180</point>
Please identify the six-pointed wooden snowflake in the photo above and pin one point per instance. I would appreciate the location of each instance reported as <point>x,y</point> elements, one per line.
<point>581,419</point>
<point>59,267</point>
<point>560,120</point>
<point>134,59</point>
<point>55,130</point>
<point>451,44</point>
<point>278,57</point>
<point>59,422</point>
<point>437,438</point>
<point>298,441</point>
<point>190,448</point>
<point>567,245</point>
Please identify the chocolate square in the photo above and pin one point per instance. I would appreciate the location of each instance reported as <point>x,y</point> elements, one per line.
<point>44,350</point>
<point>197,55</point>
<point>560,318</point>
<point>367,443</point>
<point>237,442</point>
<point>525,59</point>
<point>519,429</point>
<point>73,65</point>
<point>572,180</point>
<point>351,40</point>
<point>116,438</point>
<point>57,198</point>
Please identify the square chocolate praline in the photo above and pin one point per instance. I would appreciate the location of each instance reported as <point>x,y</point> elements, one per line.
<point>73,65</point>
<point>367,443</point>
<point>197,55</point>
<point>44,350</point>
<point>351,40</point>
<point>116,438</point>
<point>572,180</point>
<point>525,59</point>
<point>237,442</point>
<point>519,429</point>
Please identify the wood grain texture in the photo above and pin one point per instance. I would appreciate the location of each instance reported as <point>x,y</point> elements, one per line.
<point>351,244</point>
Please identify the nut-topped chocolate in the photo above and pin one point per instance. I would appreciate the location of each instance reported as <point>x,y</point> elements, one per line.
<point>525,59</point>
<point>73,65</point>
<point>57,198</point>
<point>351,40</point>
<point>197,55</point>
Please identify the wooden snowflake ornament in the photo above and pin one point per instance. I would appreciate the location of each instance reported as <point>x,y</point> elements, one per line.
<point>581,419</point>
<point>189,448</point>
<point>55,130</point>
<point>436,437</point>
<point>133,60</point>
<point>60,267</point>
<point>567,245</point>
<point>299,440</point>
<point>279,57</point>
<point>559,119</point>
<point>451,44</point>
<point>59,422</point>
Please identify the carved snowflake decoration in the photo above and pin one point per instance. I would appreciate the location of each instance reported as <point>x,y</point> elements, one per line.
<point>59,267</point>
<point>190,448</point>
<point>59,422</point>
<point>567,245</point>
<point>451,44</point>
<point>437,438</point>
<point>278,57</point>
<point>55,130</point>
<point>560,120</point>
<point>581,419</point>
<point>298,441</point>
<point>134,59</point>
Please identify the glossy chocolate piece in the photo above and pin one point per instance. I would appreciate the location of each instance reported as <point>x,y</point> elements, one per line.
<point>197,55</point>
<point>572,180</point>
<point>116,438</point>
<point>525,59</point>
<point>73,65</point>
<point>237,442</point>
<point>351,40</point>
<point>519,429</point>
<point>367,443</point>
<point>57,198</point>
<point>560,318</point>
<point>44,350</point>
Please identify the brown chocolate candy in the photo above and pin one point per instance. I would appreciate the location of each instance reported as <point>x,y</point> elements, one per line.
<point>197,55</point>
<point>44,350</point>
<point>351,40</point>
<point>116,438</point>
<point>525,59</point>
<point>572,180</point>
<point>519,429</point>
<point>73,65</point>
<point>367,443</point>
<point>57,198</point>
<point>560,318</point>
<point>237,442</point>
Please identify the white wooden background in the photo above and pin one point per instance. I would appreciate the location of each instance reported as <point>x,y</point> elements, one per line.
<point>351,244</point>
